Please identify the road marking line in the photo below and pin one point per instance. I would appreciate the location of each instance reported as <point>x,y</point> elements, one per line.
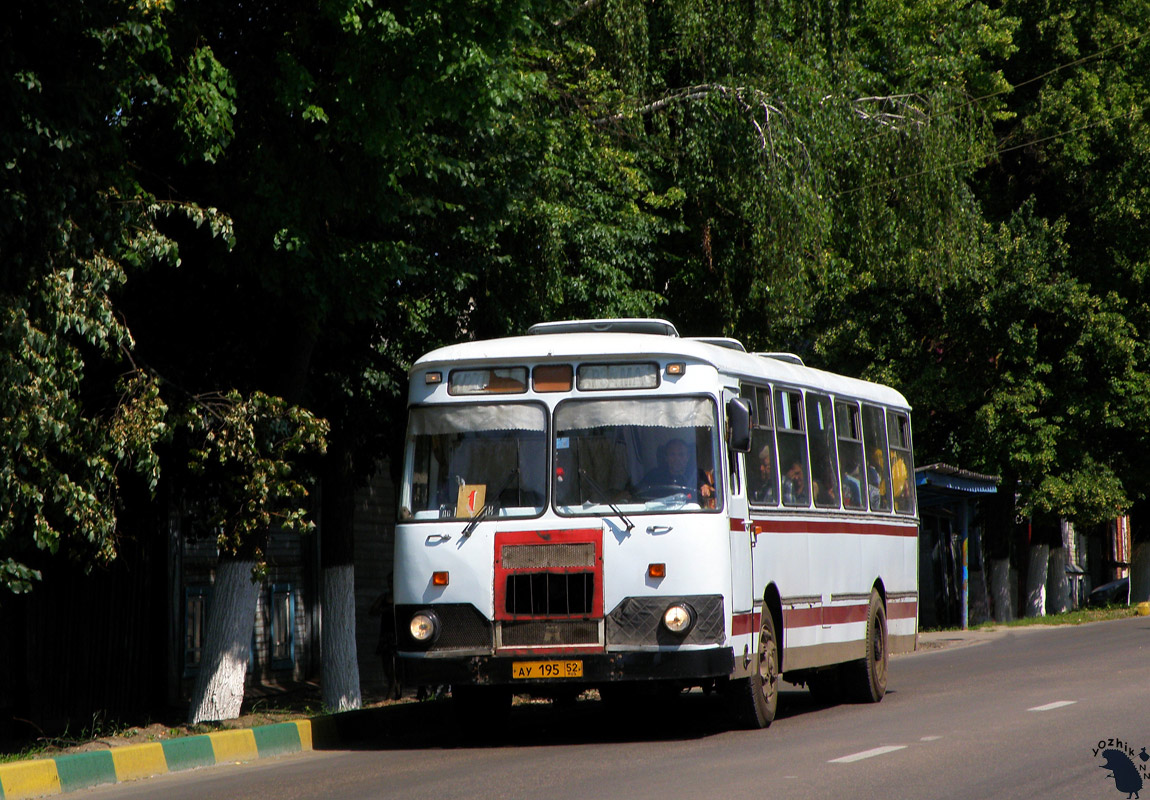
<point>930,738</point>
<point>877,751</point>
<point>1054,705</point>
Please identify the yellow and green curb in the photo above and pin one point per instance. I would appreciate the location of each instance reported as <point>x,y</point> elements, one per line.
<point>68,773</point>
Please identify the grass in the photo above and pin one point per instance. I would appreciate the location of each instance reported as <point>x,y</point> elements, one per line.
<point>1079,616</point>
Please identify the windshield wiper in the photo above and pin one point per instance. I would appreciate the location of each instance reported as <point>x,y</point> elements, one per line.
<point>606,500</point>
<point>489,506</point>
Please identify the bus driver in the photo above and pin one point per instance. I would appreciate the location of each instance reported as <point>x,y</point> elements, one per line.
<point>676,472</point>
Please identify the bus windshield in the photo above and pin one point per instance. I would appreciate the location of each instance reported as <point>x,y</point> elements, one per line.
<point>651,454</point>
<point>463,458</point>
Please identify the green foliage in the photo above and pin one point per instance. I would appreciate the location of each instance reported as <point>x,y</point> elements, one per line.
<point>240,452</point>
<point>276,209</point>
<point>80,416</point>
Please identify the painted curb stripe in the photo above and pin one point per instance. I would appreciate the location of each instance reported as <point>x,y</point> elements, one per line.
<point>303,727</point>
<point>189,753</point>
<point>85,770</point>
<point>139,761</point>
<point>276,740</point>
<point>234,746</point>
<point>29,779</point>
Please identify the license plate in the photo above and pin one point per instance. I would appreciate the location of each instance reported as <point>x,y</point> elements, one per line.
<point>546,669</point>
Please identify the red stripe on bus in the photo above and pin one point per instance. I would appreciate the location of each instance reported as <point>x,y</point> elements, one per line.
<point>745,623</point>
<point>842,615</point>
<point>769,525</point>
<point>802,617</point>
<point>822,615</point>
<point>902,610</point>
<point>738,524</point>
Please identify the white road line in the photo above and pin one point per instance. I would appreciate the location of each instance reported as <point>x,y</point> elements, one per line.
<point>1054,705</point>
<point>930,738</point>
<point>877,751</point>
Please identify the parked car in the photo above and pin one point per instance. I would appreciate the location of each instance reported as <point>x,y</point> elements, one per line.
<point>1110,593</point>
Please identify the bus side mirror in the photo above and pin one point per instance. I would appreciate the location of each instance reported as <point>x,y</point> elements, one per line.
<point>739,425</point>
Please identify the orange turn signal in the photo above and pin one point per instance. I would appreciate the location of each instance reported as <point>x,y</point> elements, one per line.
<point>440,578</point>
<point>656,570</point>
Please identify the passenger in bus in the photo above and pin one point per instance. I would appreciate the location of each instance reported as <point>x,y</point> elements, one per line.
<point>795,485</point>
<point>898,481</point>
<point>826,488</point>
<point>674,469</point>
<point>876,483</point>
<point>767,491</point>
<point>852,482</point>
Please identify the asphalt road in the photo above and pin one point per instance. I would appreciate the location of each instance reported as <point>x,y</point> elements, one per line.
<point>1007,714</point>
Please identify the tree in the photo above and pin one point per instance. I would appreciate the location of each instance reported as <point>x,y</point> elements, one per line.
<point>239,471</point>
<point>84,409</point>
<point>79,416</point>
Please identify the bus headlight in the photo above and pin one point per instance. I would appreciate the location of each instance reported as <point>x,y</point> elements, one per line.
<point>679,618</point>
<point>424,626</point>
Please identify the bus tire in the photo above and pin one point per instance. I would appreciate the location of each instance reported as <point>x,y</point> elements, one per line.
<point>865,679</point>
<point>756,699</point>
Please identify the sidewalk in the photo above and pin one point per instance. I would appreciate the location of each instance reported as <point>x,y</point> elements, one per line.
<point>938,640</point>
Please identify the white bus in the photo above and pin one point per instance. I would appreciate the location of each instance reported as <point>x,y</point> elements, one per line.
<point>604,504</point>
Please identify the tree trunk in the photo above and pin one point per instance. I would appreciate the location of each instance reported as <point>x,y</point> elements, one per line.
<point>1140,573</point>
<point>219,690</point>
<point>1000,589</point>
<point>1057,586</point>
<point>1036,580</point>
<point>340,658</point>
<point>340,677</point>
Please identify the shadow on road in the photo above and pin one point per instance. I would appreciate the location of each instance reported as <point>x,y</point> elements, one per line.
<point>434,724</point>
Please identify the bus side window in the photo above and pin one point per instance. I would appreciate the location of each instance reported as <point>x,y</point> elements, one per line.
<point>849,427</point>
<point>792,443</point>
<point>762,471</point>
<point>877,466</point>
<point>824,465</point>
<point>901,461</point>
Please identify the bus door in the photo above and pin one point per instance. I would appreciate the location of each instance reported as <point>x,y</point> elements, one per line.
<point>742,537</point>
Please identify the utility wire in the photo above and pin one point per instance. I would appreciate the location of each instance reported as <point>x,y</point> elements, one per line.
<point>976,100</point>
<point>992,154</point>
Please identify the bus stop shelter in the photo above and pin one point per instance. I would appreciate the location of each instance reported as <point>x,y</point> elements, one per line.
<point>948,500</point>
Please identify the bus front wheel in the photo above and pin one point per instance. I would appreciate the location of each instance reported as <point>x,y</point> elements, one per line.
<point>865,679</point>
<point>756,699</point>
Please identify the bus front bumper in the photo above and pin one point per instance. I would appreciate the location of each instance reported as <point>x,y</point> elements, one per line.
<point>597,668</point>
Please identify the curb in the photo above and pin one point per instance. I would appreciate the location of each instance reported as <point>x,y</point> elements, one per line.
<point>68,773</point>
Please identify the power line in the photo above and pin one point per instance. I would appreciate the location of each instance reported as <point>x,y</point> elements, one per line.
<point>992,154</point>
<point>975,100</point>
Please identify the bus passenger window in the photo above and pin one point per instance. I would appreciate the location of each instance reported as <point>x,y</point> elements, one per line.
<point>849,427</point>
<point>901,463</point>
<point>792,443</point>
<point>762,472</point>
<point>877,465</point>
<point>824,465</point>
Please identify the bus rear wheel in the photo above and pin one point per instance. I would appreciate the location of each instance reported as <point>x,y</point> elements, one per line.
<point>755,699</point>
<point>865,680</point>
